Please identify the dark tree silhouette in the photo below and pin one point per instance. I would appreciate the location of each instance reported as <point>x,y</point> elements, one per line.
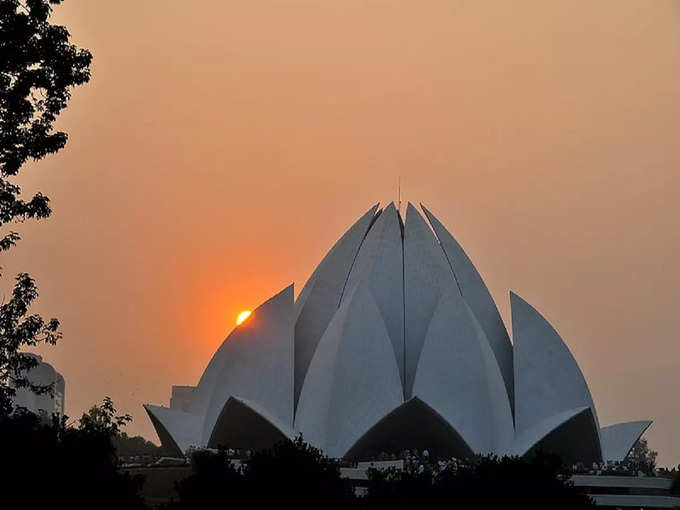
<point>485,482</point>
<point>102,419</point>
<point>641,457</point>
<point>127,446</point>
<point>38,68</point>
<point>298,473</point>
<point>675,487</point>
<point>52,465</point>
<point>19,330</point>
<point>290,474</point>
<point>294,474</point>
<point>213,482</point>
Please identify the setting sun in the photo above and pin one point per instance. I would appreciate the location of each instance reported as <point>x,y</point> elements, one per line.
<point>241,317</point>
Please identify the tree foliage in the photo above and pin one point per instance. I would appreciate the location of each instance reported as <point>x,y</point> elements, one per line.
<point>53,465</point>
<point>486,482</point>
<point>19,330</point>
<point>127,446</point>
<point>102,419</point>
<point>294,474</point>
<point>214,479</point>
<point>38,68</point>
<point>641,457</point>
<point>297,472</point>
<point>675,487</point>
<point>290,473</point>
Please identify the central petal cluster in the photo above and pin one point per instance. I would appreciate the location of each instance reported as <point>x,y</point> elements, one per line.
<point>394,342</point>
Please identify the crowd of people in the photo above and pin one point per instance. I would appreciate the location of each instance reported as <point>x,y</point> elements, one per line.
<point>416,461</point>
<point>623,468</point>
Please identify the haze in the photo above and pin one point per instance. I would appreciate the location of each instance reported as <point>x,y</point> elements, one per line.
<point>222,147</point>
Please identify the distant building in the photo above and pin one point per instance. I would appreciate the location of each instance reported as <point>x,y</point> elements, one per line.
<point>49,403</point>
<point>181,398</point>
<point>628,491</point>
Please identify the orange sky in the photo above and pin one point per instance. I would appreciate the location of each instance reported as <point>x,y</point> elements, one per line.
<point>222,147</point>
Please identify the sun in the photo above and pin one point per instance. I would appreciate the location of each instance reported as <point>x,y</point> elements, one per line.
<point>241,317</point>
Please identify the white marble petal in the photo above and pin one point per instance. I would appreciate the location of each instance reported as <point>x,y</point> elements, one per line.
<point>379,266</point>
<point>459,377</point>
<point>427,276</point>
<point>257,363</point>
<point>353,380</point>
<point>320,297</point>
<point>177,430</point>
<point>571,434</point>
<point>479,298</point>
<point>548,381</point>
<point>531,436</point>
<point>618,440</point>
<point>414,424</point>
<point>245,424</point>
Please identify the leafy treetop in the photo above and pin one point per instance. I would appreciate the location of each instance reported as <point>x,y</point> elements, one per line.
<point>641,457</point>
<point>38,68</point>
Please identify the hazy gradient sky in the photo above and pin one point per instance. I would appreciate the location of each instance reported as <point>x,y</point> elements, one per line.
<point>222,147</point>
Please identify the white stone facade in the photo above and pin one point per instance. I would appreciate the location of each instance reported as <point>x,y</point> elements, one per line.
<point>394,342</point>
<point>43,374</point>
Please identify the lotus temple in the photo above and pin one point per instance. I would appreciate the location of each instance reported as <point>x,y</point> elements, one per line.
<point>394,342</point>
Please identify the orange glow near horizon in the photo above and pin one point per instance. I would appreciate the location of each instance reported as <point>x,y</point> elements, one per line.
<point>242,317</point>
